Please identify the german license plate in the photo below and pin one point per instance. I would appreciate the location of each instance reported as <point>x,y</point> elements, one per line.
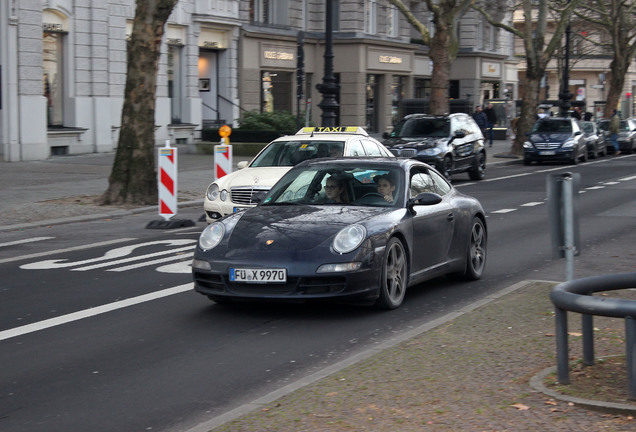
<point>547,153</point>
<point>258,275</point>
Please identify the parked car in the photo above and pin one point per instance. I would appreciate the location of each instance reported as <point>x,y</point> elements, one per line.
<point>451,143</point>
<point>594,139</point>
<point>626,134</point>
<point>555,139</point>
<point>299,245</point>
<point>238,190</point>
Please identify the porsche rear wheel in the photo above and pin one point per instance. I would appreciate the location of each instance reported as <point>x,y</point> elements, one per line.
<point>394,276</point>
<point>476,255</point>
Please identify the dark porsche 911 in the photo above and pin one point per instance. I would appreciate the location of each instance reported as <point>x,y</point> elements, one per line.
<point>358,230</point>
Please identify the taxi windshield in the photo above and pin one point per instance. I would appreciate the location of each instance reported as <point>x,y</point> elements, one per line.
<point>292,152</point>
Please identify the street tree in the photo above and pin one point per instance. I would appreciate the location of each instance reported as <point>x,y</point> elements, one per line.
<point>617,19</point>
<point>540,44</point>
<point>443,44</point>
<point>133,178</point>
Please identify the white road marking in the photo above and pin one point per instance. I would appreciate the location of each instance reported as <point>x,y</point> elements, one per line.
<point>135,258</point>
<point>182,267</point>
<point>71,249</point>
<point>504,211</point>
<point>153,262</point>
<point>627,178</point>
<point>29,240</point>
<point>87,313</point>
<point>111,254</point>
<point>532,204</point>
<point>595,187</point>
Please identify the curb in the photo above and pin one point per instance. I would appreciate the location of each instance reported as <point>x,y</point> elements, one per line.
<point>91,217</point>
<point>536,382</point>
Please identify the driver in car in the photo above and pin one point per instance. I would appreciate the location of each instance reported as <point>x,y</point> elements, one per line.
<point>386,187</point>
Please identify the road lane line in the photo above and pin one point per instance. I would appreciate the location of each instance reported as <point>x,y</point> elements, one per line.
<point>532,204</point>
<point>72,249</point>
<point>503,211</point>
<point>29,240</point>
<point>87,313</point>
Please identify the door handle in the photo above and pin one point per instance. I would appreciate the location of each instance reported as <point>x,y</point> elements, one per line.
<point>450,217</point>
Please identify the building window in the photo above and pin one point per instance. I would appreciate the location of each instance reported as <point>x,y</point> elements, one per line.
<point>372,105</point>
<point>175,82</point>
<point>453,89</point>
<point>392,21</point>
<point>335,10</point>
<point>276,92</point>
<point>422,88</point>
<point>397,90</point>
<point>370,16</point>
<point>272,12</point>
<point>53,77</point>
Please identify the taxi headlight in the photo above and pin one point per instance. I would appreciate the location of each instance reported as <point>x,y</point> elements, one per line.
<point>212,192</point>
<point>223,195</point>
<point>211,236</point>
<point>349,238</point>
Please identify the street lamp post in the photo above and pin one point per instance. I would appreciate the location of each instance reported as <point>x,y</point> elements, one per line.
<point>328,88</point>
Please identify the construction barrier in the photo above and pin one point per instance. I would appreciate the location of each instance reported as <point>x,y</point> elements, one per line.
<point>167,178</point>
<point>222,160</point>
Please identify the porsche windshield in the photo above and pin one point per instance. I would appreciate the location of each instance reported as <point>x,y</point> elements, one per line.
<point>290,153</point>
<point>338,185</point>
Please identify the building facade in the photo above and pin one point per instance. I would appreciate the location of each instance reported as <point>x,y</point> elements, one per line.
<point>63,68</point>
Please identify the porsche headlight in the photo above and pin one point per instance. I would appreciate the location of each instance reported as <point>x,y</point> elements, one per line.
<point>211,236</point>
<point>349,238</point>
<point>213,192</point>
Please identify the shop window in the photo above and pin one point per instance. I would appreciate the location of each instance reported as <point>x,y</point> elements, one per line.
<point>175,85</point>
<point>277,91</point>
<point>370,16</point>
<point>397,90</point>
<point>53,77</point>
<point>422,88</point>
<point>372,105</point>
<point>273,12</point>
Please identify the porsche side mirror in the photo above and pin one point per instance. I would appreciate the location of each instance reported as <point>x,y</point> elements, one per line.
<point>425,198</point>
<point>385,135</point>
<point>258,197</point>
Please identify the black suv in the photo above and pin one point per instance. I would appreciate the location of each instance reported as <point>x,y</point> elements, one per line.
<point>451,143</point>
<point>555,139</point>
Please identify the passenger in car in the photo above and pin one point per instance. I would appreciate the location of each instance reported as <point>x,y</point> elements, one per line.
<point>335,190</point>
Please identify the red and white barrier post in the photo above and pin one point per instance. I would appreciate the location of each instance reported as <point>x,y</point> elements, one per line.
<point>223,153</point>
<point>167,178</point>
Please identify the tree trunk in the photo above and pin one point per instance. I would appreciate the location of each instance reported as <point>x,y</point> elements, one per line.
<point>528,107</point>
<point>618,69</point>
<point>440,56</point>
<point>133,179</point>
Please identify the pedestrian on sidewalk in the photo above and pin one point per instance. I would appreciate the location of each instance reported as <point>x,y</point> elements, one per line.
<point>614,126</point>
<point>480,118</point>
<point>491,115</point>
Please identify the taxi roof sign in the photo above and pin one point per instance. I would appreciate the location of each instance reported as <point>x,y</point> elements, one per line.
<point>333,129</point>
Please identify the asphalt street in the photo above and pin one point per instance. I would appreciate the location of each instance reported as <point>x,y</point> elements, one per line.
<point>59,191</point>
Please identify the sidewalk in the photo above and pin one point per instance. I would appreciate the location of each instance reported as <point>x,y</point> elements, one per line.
<point>469,371</point>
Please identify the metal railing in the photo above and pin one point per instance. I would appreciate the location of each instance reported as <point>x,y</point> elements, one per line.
<point>577,296</point>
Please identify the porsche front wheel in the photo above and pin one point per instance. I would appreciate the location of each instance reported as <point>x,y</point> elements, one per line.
<point>394,276</point>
